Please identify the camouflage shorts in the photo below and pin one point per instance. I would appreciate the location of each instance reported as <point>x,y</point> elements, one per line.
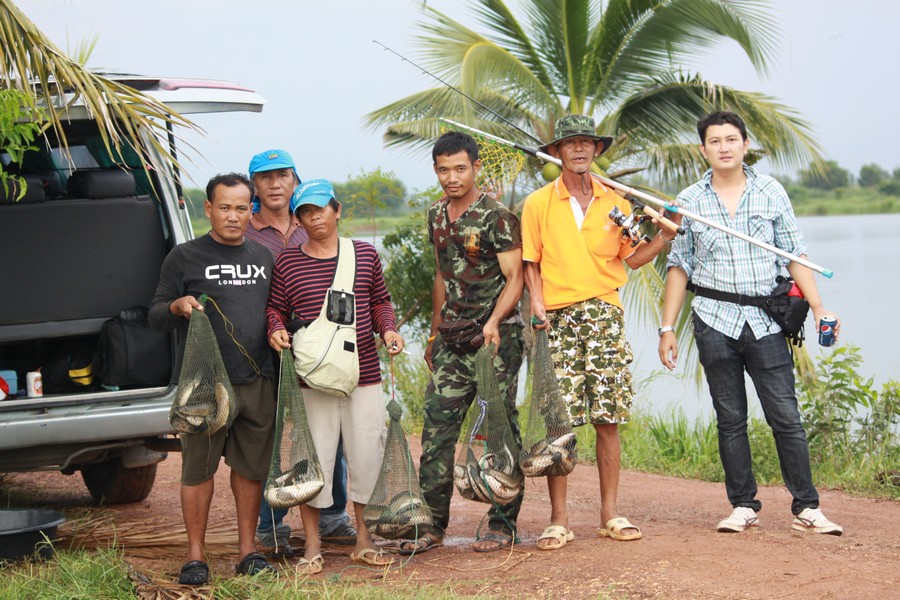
<point>591,358</point>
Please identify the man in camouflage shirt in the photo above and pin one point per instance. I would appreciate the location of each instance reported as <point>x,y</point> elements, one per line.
<point>479,276</point>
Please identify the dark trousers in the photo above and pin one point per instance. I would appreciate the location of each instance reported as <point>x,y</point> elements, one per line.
<point>768,362</point>
<point>447,399</point>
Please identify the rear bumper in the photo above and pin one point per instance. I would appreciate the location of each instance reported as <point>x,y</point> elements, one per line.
<point>31,429</point>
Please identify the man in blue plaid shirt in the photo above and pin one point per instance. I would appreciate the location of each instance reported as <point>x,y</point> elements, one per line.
<point>732,338</point>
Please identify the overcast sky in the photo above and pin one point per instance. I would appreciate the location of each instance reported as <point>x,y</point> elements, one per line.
<point>315,63</point>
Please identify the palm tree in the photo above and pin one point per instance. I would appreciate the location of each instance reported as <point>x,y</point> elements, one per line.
<point>619,61</point>
<point>33,67</point>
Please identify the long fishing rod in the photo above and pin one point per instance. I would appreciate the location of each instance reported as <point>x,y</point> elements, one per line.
<point>460,92</point>
<point>655,201</point>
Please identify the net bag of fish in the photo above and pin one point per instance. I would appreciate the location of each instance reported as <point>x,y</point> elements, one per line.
<point>396,509</point>
<point>295,475</point>
<point>204,399</point>
<point>548,446</point>
<point>486,468</point>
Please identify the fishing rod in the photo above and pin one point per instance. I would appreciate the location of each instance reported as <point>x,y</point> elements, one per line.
<point>458,91</point>
<point>653,200</point>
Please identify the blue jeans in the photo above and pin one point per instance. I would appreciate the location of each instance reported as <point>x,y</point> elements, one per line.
<point>768,362</point>
<point>338,497</point>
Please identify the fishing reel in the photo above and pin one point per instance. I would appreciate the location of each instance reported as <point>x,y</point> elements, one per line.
<point>631,224</point>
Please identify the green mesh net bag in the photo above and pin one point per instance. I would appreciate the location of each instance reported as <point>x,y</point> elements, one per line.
<point>548,446</point>
<point>486,468</point>
<point>295,475</point>
<point>396,509</point>
<point>204,399</point>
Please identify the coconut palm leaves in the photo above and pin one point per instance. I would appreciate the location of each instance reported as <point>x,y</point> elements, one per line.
<point>33,65</point>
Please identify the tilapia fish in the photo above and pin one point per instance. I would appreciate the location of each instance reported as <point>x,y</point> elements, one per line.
<point>294,494</point>
<point>550,457</point>
<point>402,515</point>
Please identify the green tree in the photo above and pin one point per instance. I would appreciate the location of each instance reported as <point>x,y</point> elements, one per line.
<point>20,124</point>
<point>833,176</point>
<point>871,175</point>
<point>34,66</point>
<point>617,60</point>
<point>364,195</point>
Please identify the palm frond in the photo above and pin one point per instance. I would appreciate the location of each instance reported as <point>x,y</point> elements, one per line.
<point>30,62</point>
<point>662,117</point>
<point>495,14</point>
<point>561,29</point>
<point>655,36</point>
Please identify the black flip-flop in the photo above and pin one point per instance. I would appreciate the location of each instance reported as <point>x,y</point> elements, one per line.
<point>431,541</point>
<point>501,538</point>
<point>253,564</point>
<point>194,572</point>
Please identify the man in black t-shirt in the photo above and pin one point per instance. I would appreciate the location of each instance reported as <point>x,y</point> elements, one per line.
<point>235,273</point>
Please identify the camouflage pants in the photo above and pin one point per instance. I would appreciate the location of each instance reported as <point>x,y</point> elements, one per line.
<point>450,393</point>
<point>591,358</point>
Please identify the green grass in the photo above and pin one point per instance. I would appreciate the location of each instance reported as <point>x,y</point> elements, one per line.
<point>101,574</point>
<point>669,444</point>
<point>104,575</point>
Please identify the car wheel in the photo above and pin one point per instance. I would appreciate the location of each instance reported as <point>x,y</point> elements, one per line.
<point>111,483</point>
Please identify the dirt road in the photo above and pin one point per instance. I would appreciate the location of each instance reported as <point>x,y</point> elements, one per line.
<point>680,556</point>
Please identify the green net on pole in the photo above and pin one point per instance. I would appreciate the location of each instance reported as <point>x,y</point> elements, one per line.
<point>486,469</point>
<point>295,475</point>
<point>204,399</point>
<point>397,509</point>
<point>548,446</point>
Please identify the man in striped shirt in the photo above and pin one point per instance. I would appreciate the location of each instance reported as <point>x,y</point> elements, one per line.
<point>274,225</point>
<point>300,282</point>
<point>732,338</point>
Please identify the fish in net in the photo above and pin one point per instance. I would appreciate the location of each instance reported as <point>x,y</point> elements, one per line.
<point>486,469</point>
<point>548,446</point>
<point>295,475</point>
<point>204,399</point>
<point>396,508</point>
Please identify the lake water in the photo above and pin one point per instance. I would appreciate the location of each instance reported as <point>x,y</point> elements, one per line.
<point>864,253</point>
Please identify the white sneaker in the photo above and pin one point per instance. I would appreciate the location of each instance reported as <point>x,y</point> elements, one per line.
<point>740,519</point>
<point>812,520</point>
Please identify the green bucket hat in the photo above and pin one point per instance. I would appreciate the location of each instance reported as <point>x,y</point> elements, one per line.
<point>576,126</point>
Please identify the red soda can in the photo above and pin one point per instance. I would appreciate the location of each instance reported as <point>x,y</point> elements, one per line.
<point>826,331</point>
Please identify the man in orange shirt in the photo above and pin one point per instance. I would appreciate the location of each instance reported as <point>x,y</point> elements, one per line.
<point>575,259</point>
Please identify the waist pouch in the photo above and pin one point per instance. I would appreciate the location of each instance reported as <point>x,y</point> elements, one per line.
<point>463,334</point>
<point>789,312</point>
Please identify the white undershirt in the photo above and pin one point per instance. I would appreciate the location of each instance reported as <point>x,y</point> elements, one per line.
<point>576,207</point>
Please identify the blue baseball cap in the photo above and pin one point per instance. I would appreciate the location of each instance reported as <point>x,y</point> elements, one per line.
<point>271,160</point>
<point>315,191</point>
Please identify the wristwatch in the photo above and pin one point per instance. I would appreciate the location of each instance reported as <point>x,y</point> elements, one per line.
<point>664,329</point>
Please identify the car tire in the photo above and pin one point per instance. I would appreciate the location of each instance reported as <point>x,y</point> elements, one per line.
<point>111,483</point>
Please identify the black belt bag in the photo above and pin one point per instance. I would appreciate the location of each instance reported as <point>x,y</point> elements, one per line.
<point>788,312</point>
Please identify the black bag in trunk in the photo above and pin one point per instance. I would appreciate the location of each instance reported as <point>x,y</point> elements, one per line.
<point>131,354</point>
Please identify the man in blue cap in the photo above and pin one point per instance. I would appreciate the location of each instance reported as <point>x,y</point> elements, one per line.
<point>273,224</point>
